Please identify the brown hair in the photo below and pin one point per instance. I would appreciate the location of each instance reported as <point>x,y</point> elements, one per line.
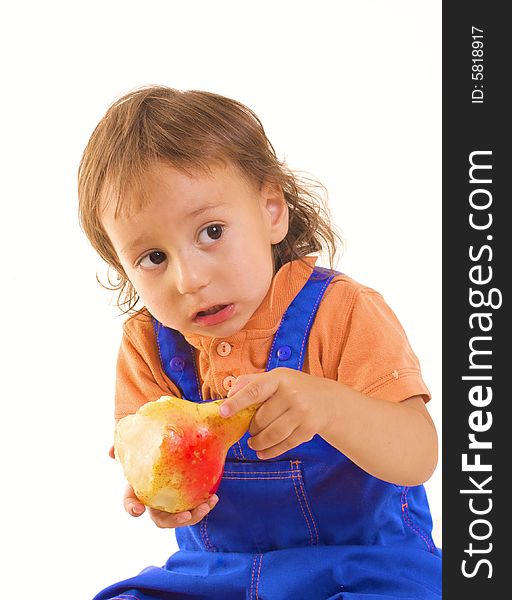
<point>189,130</point>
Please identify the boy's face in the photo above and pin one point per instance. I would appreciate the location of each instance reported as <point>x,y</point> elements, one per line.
<point>199,254</point>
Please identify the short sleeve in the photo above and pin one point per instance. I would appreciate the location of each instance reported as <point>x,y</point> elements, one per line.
<point>376,358</point>
<point>139,377</point>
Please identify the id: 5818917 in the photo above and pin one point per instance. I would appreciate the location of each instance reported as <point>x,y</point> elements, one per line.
<point>477,65</point>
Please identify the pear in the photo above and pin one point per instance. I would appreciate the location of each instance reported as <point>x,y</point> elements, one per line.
<point>173,451</point>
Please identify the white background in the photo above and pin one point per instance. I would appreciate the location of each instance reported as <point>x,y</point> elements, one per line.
<point>347,91</point>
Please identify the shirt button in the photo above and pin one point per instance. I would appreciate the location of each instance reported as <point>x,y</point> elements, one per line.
<point>223,349</point>
<point>177,363</point>
<point>284,352</point>
<point>228,382</point>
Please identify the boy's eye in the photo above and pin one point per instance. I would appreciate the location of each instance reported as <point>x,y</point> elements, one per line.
<point>152,260</point>
<point>213,232</point>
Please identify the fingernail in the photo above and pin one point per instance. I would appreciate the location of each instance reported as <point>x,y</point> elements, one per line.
<point>224,410</point>
<point>136,510</point>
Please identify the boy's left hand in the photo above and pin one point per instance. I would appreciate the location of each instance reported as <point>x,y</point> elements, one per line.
<point>296,406</point>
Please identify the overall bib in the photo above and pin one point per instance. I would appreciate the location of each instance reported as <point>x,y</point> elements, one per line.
<point>307,525</point>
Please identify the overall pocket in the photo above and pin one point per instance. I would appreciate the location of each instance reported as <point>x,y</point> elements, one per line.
<point>262,506</point>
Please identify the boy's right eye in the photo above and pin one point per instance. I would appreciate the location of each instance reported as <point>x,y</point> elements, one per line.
<point>152,260</point>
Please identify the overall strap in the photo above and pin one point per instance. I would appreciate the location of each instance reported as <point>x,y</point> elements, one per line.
<point>177,358</point>
<point>291,338</point>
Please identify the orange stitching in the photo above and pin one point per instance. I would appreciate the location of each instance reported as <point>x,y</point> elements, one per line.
<point>307,503</point>
<point>385,379</point>
<point>234,472</point>
<point>205,524</point>
<point>258,577</point>
<point>204,535</point>
<point>252,576</point>
<point>389,380</point>
<point>240,448</point>
<point>311,317</point>
<point>412,525</point>
<point>234,450</point>
<point>303,513</point>
<point>258,478</point>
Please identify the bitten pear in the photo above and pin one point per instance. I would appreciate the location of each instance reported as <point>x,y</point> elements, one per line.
<point>173,451</point>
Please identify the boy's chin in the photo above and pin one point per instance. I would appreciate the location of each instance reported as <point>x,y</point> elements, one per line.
<point>223,330</point>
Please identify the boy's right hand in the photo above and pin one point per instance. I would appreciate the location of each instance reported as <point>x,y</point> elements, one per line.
<point>165,520</point>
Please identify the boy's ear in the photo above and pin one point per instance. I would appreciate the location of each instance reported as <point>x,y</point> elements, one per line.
<point>277,209</point>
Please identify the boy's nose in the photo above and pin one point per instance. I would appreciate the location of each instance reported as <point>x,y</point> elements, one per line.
<point>191,274</point>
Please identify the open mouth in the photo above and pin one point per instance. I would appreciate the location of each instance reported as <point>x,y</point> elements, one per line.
<point>214,315</point>
<point>211,311</point>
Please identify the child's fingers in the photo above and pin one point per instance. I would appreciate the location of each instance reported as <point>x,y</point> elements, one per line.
<point>275,433</point>
<point>166,520</point>
<point>248,390</point>
<point>132,505</point>
<point>203,509</point>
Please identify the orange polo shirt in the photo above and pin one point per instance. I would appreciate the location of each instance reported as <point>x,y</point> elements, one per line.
<point>355,339</point>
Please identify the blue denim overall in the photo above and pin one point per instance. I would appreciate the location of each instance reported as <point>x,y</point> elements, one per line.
<point>307,525</point>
